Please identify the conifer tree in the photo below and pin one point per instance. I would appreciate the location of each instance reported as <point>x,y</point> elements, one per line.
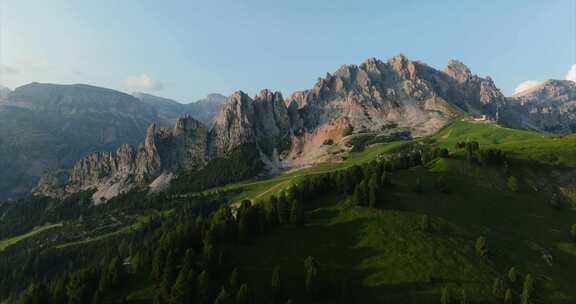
<point>498,288</point>
<point>104,282</point>
<point>356,174</point>
<point>204,288</point>
<point>243,295</point>
<point>441,184</point>
<point>373,191</point>
<point>36,294</point>
<point>59,292</point>
<point>463,296</point>
<point>508,296</point>
<point>311,275</point>
<point>115,272</point>
<point>385,179</point>
<point>512,276</point>
<point>188,259</point>
<point>158,299</point>
<point>233,281</point>
<point>419,188</point>
<point>96,299</point>
<point>527,289</point>
<point>208,253</point>
<point>361,194</point>
<point>158,264</point>
<point>445,297</point>
<point>276,284</point>
<point>184,288</point>
<point>513,184</point>
<point>169,275</point>
<point>425,224</point>
<point>78,289</point>
<point>223,297</point>
<point>272,212</point>
<point>283,209</point>
<point>296,213</point>
<point>481,247</point>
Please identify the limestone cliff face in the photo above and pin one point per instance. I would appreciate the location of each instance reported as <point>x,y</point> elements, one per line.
<point>234,125</point>
<point>374,96</point>
<point>457,85</point>
<point>164,150</point>
<point>148,162</point>
<point>245,120</point>
<point>549,107</point>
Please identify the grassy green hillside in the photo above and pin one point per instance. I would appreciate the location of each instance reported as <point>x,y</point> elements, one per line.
<point>419,239</point>
<point>522,144</point>
<point>384,255</point>
<point>393,261</point>
<point>521,227</point>
<point>11,241</point>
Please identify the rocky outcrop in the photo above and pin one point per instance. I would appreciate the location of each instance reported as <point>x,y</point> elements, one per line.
<point>183,147</point>
<point>245,120</point>
<point>549,107</point>
<point>457,85</point>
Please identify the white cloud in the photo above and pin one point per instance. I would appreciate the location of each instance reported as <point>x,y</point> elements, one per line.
<point>142,83</point>
<point>25,68</point>
<point>571,73</point>
<point>31,63</point>
<point>7,70</point>
<point>526,85</point>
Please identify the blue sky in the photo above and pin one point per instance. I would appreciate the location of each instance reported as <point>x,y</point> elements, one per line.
<point>186,49</point>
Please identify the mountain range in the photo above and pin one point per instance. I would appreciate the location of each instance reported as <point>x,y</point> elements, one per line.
<point>44,127</point>
<point>391,97</point>
<point>400,183</point>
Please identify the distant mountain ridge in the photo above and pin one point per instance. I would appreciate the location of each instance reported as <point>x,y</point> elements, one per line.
<point>549,107</point>
<point>205,110</point>
<point>48,126</point>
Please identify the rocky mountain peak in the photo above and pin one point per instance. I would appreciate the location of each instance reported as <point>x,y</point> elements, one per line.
<point>269,96</point>
<point>265,94</point>
<point>215,97</point>
<point>237,98</point>
<point>186,122</point>
<point>150,136</point>
<point>372,61</point>
<point>402,66</point>
<point>373,66</point>
<point>553,89</point>
<point>550,106</point>
<point>243,120</point>
<point>296,100</point>
<point>458,71</point>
